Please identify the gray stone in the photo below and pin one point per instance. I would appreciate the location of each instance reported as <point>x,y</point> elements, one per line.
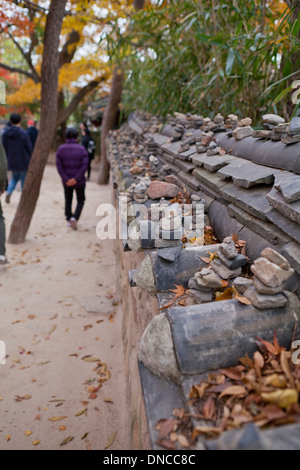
<point>276,258</point>
<point>242,132</point>
<point>273,119</point>
<point>216,163</point>
<point>208,278</point>
<point>223,271</point>
<point>134,239</point>
<point>209,179</point>
<point>261,134</point>
<point>189,180</point>
<point>265,290</point>
<point>148,233</point>
<point>188,167</point>
<point>169,223</point>
<point>171,234</point>
<point>247,174</point>
<point>238,262</point>
<point>200,296</point>
<point>241,284</point>
<point>291,211</point>
<point>252,200</point>
<point>269,273</point>
<point>289,188</point>
<point>212,152</point>
<point>156,349</point>
<point>263,302</point>
<point>290,139</point>
<point>245,122</point>
<point>170,254</point>
<point>160,243</point>
<point>228,249</point>
<point>286,225</point>
<point>292,252</point>
<point>212,335</point>
<point>144,277</point>
<point>294,127</point>
<point>265,229</point>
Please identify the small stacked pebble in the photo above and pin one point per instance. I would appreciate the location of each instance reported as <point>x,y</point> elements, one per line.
<point>243,129</point>
<point>228,266</point>
<point>270,273</point>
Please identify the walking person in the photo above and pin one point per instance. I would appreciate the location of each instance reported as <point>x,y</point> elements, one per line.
<point>3,183</point>
<point>72,163</point>
<point>18,148</point>
<point>88,142</point>
<point>32,132</point>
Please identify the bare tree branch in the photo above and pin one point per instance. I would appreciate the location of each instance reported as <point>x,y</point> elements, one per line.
<point>68,51</point>
<point>16,70</point>
<point>65,113</point>
<point>27,56</point>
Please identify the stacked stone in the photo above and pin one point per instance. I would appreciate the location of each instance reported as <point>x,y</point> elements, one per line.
<point>170,225</point>
<point>272,127</point>
<point>138,191</point>
<point>270,273</point>
<point>231,122</point>
<point>292,132</point>
<point>243,129</point>
<point>228,266</point>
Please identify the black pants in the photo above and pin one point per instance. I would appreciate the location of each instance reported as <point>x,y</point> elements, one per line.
<point>80,193</point>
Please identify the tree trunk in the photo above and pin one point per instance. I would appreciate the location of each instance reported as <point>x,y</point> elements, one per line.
<point>50,68</point>
<point>111,112</point>
<point>109,119</point>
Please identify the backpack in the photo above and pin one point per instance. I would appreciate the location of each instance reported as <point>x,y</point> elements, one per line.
<point>91,148</point>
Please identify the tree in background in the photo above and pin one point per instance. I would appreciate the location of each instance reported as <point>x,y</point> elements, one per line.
<point>82,64</point>
<point>49,89</point>
<point>212,56</point>
<point>115,97</point>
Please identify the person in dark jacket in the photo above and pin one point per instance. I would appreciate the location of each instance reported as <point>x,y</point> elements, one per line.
<point>32,132</point>
<point>72,162</point>
<point>18,150</point>
<point>88,142</point>
<point>3,173</point>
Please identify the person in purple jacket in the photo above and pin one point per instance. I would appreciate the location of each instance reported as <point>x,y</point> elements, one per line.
<point>72,162</point>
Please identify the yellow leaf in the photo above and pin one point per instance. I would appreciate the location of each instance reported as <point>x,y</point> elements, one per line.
<point>62,428</point>
<point>111,441</point>
<point>81,412</point>
<point>8,438</point>
<point>36,442</point>
<point>283,398</point>
<point>57,418</point>
<point>28,433</point>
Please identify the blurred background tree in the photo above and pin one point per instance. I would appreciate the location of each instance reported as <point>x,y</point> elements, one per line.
<point>210,56</point>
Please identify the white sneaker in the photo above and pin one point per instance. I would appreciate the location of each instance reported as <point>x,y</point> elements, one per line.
<point>3,260</point>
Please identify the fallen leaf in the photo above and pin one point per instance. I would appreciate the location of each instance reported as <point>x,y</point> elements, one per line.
<point>243,300</point>
<point>67,440</point>
<point>57,418</point>
<point>179,291</point>
<point>36,442</point>
<point>8,438</point>
<point>108,400</point>
<point>84,436</point>
<point>87,327</point>
<point>283,398</point>
<point>284,362</point>
<point>111,441</point>
<point>14,359</point>
<point>62,428</point>
<point>209,408</point>
<point>233,373</point>
<point>183,441</point>
<point>91,359</point>
<point>28,433</point>
<point>235,390</point>
<point>84,411</point>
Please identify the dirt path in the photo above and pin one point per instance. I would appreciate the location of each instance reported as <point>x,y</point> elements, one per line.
<point>58,314</point>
